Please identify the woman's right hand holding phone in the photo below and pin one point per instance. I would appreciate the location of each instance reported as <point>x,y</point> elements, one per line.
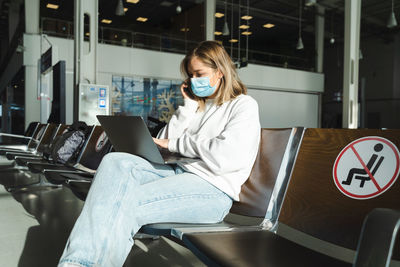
<point>185,89</point>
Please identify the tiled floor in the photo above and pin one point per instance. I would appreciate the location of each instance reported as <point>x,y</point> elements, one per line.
<point>35,224</point>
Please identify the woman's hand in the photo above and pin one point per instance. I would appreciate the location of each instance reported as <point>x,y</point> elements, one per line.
<point>184,87</point>
<point>163,143</point>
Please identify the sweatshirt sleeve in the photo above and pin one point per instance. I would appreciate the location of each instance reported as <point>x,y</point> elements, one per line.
<point>179,121</point>
<point>233,149</point>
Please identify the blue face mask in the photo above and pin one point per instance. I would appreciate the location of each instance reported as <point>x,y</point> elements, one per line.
<point>201,86</point>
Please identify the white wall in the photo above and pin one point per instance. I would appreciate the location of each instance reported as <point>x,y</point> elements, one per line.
<point>275,89</point>
<point>280,109</point>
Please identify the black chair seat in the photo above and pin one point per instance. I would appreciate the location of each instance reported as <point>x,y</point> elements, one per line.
<point>12,155</point>
<point>23,161</point>
<point>40,167</point>
<point>59,177</point>
<point>3,151</point>
<point>254,248</point>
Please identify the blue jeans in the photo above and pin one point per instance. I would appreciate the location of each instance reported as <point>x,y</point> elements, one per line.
<point>129,192</point>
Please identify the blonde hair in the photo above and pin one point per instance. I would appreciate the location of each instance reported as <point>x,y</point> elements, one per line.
<point>213,55</point>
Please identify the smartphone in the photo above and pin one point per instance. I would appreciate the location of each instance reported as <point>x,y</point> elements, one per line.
<point>188,89</point>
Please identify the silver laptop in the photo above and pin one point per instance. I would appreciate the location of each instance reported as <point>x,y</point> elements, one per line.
<point>130,134</point>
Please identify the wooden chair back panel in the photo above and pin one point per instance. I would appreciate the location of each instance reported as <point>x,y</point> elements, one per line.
<point>37,136</point>
<point>96,148</point>
<point>47,136</point>
<point>30,130</point>
<point>313,203</point>
<point>256,191</point>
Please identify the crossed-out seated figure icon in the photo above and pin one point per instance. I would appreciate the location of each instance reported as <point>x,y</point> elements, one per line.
<point>361,173</point>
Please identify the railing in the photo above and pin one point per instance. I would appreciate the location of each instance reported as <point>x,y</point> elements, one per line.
<point>168,43</point>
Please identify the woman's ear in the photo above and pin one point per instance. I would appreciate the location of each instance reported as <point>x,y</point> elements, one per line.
<point>220,74</point>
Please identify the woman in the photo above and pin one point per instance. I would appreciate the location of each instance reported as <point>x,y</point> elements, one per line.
<point>218,130</point>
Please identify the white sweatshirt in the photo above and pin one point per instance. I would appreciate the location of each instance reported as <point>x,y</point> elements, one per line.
<point>221,141</point>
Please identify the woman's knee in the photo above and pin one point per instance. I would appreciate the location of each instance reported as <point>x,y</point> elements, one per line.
<point>119,160</point>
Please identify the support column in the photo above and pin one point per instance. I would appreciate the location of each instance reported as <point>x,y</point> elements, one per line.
<point>31,56</point>
<point>32,9</point>
<point>351,53</point>
<point>85,61</point>
<point>319,38</point>
<point>209,18</point>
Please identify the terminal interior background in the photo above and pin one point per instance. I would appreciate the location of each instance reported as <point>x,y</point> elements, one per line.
<point>139,52</point>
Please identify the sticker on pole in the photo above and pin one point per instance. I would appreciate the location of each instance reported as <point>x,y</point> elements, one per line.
<point>366,167</point>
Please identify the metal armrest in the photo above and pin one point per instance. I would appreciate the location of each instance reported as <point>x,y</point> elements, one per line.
<point>377,239</point>
<point>25,160</point>
<point>66,171</point>
<point>27,156</point>
<point>13,148</point>
<point>11,154</point>
<point>15,136</point>
<point>65,176</point>
<point>39,167</point>
<point>24,154</point>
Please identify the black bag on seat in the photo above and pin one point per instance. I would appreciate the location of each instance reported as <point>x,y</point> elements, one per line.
<point>66,147</point>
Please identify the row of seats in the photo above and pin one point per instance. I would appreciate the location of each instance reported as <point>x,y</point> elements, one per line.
<point>30,158</point>
<point>291,211</point>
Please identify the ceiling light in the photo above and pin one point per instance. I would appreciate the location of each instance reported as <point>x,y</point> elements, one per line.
<point>300,45</point>
<point>52,6</point>
<point>219,15</point>
<point>392,22</point>
<point>132,1</point>
<point>310,2</point>
<point>184,29</point>
<point>269,25</point>
<point>246,33</point>
<point>178,9</point>
<point>233,40</point>
<point>244,27</point>
<point>225,29</point>
<point>247,17</point>
<point>119,10</point>
<point>142,19</point>
<point>106,21</point>
<point>166,3</point>
<point>218,33</point>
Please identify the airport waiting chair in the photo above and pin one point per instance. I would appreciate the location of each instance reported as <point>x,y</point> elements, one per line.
<point>10,139</point>
<point>95,148</point>
<point>18,169</point>
<point>274,161</point>
<point>378,235</point>
<point>318,224</point>
<point>49,134</point>
<point>22,159</point>
<point>30,146</point>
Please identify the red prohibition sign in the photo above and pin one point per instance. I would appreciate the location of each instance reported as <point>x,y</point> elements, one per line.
<point>378,187</point>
